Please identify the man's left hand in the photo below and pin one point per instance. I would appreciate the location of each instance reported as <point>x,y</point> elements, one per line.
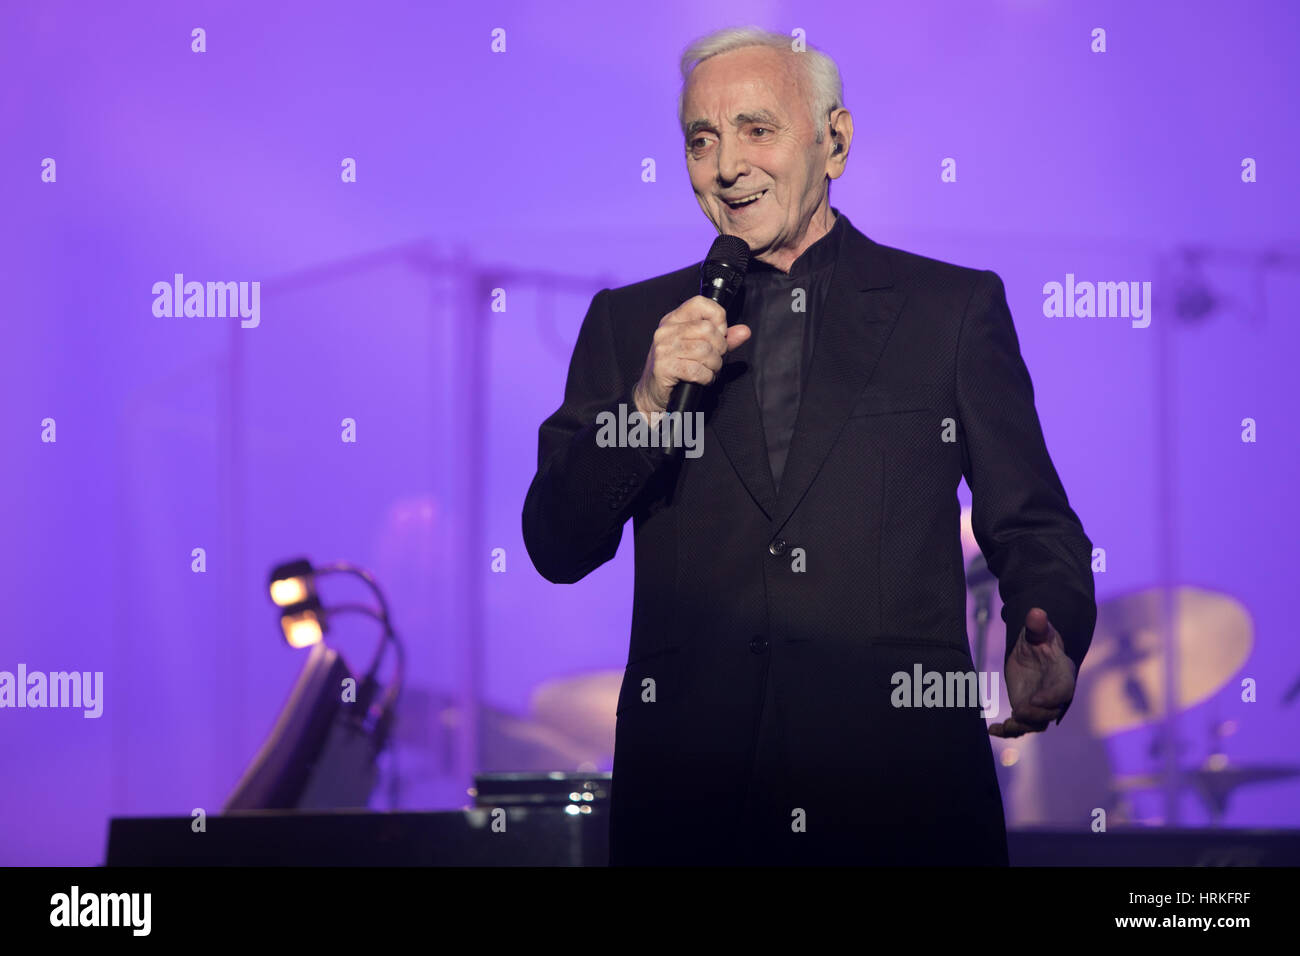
<point>1040,678</point>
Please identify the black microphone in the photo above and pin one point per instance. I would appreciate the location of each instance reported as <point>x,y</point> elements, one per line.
<point>721,275</point>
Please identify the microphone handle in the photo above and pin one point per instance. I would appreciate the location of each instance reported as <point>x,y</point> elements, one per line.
<point>686,396</point>
<point>684,399</point>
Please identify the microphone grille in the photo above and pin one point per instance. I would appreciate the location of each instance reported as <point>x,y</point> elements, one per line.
<point>728,254</point>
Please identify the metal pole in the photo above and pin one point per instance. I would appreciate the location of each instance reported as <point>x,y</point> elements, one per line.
<point>1167,544</point>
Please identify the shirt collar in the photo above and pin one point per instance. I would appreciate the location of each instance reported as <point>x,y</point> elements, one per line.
<point>820,254</point>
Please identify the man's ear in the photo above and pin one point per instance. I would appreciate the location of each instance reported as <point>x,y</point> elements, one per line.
<point>841,133</point>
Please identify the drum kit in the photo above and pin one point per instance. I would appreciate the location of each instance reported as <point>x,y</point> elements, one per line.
<point>1059,777</point>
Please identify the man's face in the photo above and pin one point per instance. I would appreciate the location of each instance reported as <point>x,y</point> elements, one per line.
<point>749,132</point>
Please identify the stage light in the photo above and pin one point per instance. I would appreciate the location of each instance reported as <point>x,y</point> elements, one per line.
<point>322,751</point>
<point>293,582</point>
<point>305,620</point>
<point>293,589</point>
<point>289,591</point>
<point>302,629</point>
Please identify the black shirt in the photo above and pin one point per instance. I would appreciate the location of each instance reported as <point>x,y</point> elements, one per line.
<point>784,325</point>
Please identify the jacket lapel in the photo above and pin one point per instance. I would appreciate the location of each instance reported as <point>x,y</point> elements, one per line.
<point>859,315</point>
<point>738,427</point>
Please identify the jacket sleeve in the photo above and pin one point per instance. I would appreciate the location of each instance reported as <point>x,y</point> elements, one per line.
<point>583,493</point>
<point>1023,523</point>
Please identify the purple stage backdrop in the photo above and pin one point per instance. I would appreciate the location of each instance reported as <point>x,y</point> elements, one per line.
<point>427,196</point>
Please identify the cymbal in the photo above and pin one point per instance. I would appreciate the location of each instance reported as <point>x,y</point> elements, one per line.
<point>1122,677</point>
<point>523,745</point>
<point>1219,780</point>
<point>1214,782</point>
<point>581,707</point>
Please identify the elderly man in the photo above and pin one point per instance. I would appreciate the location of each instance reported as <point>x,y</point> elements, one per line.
<point>798,645</point>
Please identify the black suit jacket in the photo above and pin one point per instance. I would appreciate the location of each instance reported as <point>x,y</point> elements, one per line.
<point>755,721</point>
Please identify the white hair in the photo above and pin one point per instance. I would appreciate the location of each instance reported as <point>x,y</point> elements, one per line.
<point>822,77</point>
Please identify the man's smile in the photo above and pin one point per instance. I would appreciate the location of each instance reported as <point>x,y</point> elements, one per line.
<point>742,202</point>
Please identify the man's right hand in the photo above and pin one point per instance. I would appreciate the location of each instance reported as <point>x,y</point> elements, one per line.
<point>688,346</point>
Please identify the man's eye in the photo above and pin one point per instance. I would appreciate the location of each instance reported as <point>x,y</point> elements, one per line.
<point>761,129</point>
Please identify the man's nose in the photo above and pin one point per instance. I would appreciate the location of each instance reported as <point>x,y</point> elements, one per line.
<point>732,160</point>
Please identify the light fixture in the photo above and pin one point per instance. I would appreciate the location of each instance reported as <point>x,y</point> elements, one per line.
<point>293,583</point>
<point>322,751</point>
<point>302,628</point>
<point>293,590</point>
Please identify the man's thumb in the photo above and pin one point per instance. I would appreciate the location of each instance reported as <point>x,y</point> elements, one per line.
<point>1036,625</point>
<point>737,335</point>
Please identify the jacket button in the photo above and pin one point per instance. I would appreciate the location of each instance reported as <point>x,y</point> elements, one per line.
<point>757,645</point>
<point>777,546</point>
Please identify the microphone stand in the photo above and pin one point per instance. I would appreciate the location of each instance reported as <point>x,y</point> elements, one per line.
<point>981,582</point>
